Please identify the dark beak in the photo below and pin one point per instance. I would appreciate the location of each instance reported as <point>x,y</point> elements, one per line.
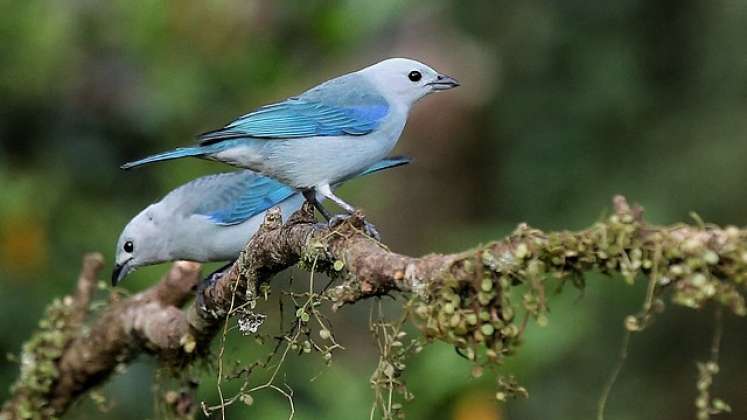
<point>120,272</point>
<point>443,82</point>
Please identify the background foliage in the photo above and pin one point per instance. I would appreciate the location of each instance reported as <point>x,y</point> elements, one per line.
<point>563,104</point>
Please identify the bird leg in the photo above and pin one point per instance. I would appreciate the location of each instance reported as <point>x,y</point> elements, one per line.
<point>370,229</point>
<point>310,196</point>
<point>326,191</point>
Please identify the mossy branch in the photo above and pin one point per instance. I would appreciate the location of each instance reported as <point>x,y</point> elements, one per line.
<point>463,299</point>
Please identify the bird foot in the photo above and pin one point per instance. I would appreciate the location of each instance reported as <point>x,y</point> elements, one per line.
<point>357,220</point>
<point>208,282</point>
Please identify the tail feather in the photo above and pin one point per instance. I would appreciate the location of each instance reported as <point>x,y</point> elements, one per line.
<point>172,154</point>
<point>387,163</point>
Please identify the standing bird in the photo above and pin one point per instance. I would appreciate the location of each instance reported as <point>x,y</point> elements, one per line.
<point>326,134</point>
<point>208,219</point>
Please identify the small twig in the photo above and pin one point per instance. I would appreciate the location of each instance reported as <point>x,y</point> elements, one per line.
<point>641,321</point>
<point>92,265</point>
<point>705,404</point>
<point>718,332</point>
<point>223,348</point>
<point>607,389</point>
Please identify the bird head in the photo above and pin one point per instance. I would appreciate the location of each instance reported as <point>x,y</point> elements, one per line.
<point>141,243</point>
<point>405,81</point>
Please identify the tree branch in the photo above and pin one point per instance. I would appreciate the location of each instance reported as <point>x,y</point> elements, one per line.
<point>460,298</point>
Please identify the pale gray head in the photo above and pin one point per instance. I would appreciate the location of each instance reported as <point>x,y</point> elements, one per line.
<point>404,81</point>
<point>141,243</point>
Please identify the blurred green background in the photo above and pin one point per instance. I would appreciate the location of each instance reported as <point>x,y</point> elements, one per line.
<point>563,104</point>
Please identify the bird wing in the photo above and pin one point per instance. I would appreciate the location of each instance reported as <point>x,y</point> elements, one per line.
<point>347,105</point>
<point>243,202</point>
<point>229,198</point>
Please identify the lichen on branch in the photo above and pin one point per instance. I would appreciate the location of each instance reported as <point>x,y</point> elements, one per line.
<point>478,300</point>
<point>471,306</point>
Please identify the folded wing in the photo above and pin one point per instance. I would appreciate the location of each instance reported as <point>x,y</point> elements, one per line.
<point>344,106</point>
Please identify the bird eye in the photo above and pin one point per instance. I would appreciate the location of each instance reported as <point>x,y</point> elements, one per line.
<point>414,75</point>
<point>129,247</point>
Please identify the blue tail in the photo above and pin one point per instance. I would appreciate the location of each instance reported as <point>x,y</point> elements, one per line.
<point>388,163</point>
<point>173,154</point>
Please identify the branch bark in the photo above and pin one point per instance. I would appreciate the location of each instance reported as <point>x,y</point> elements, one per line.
<point>462,298</point>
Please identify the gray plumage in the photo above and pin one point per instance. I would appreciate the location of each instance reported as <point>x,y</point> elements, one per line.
<point>208,219</point>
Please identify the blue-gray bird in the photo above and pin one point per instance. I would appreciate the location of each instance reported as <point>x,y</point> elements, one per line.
<point>208,219</point>
<point>326,134</point>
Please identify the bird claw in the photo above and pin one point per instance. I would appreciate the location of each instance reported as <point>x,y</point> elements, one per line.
<point>209,281</point>
<point>357,219</point>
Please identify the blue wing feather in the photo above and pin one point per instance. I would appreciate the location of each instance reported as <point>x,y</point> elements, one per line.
<point>229,198</point>
<point>246,199</point>
<point>344,106</point>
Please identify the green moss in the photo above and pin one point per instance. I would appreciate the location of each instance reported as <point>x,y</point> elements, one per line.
<point>482,303</point>
<point>39,358</point>
<point>473,309</point>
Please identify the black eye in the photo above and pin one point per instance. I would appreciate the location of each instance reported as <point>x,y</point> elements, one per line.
<point>414,75</point>
<point>129,247</point>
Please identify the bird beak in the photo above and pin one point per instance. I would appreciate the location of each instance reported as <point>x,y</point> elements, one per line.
<point>120,272</point>
<point>443,82</point>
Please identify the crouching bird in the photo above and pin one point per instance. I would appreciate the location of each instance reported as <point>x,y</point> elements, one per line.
<point>209,219</point>
<point>324,135</point>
